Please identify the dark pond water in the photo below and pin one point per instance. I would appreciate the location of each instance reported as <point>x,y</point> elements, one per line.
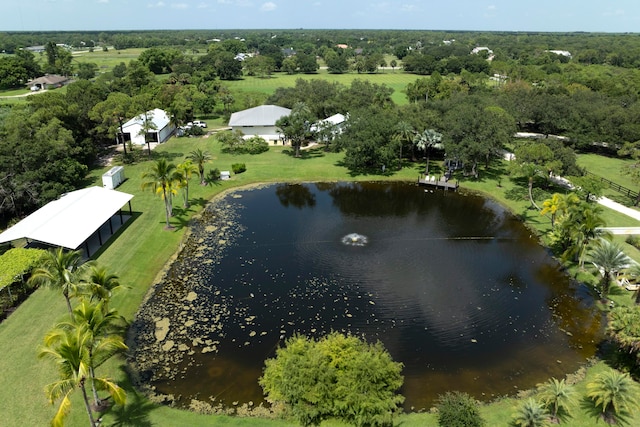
<point>455,287</point>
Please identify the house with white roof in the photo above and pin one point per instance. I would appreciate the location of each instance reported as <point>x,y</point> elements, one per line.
<point>159,128</point>
<point>259,121</point>
<point>330,127</point>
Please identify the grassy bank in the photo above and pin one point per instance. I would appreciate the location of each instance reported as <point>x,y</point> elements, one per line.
<point>138,255</point>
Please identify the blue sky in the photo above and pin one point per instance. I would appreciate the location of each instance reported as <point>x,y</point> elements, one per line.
<point>490,15</point>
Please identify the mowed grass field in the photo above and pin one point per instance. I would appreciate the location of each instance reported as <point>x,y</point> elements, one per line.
<point>139,254</point>
<point>395,79</point>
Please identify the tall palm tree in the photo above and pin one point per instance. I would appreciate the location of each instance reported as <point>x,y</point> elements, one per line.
<point>161,179</point>
<point>99,285</point>
<point>105,330</point>
<point>426,140</point>
<point>585,224</point>
<point>531,414</point>
<point>404,133</point>
<point>60,269</point>
<point>70,352</point>
<point>200,157</point>
<point>608,257</point>
<point>614,392</point>
<point>186,169</point>
<point>556,396</point>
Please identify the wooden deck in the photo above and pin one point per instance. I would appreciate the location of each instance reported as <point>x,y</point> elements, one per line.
<point>438,182</point>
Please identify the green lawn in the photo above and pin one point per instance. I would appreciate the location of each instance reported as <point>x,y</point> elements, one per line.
<point>611,169</point>
<point>397,80</point>
<point>139,254</point>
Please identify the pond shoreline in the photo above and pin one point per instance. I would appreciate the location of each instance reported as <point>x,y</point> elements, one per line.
<point>223,194</point>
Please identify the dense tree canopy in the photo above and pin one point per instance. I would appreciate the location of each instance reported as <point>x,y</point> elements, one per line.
<point>337,376</point>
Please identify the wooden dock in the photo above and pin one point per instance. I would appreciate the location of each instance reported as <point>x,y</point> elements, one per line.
<point>438,182</point>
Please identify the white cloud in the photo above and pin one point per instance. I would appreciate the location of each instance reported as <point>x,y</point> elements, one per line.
<point>268,6</point>
<point>408,8</point>
<point>179,6</point>
<point>103,1</point>
<point>492,7</point>
<point>155,5</point>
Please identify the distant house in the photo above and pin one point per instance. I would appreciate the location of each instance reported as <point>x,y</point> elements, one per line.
<point>561,53</point>
<point>161,127</point>
<point>334,124</point>
<point>49,81</point>
<point>259,121</point>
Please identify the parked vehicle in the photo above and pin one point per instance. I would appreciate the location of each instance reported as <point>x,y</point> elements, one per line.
<point>200,123</point>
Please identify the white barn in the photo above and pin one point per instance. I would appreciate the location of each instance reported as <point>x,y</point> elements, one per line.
<point>259,121</point>
<point>160,132</point>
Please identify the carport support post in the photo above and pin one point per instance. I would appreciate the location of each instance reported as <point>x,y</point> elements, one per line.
<point>99,237</point>
<point>86,248</point>
<point>110,226</point>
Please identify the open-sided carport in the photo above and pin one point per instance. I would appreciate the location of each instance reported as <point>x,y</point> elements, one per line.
<point>74,220</point>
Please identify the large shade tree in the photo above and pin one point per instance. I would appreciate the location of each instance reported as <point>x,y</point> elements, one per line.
<point>296,127</point>
<point>337,376</point>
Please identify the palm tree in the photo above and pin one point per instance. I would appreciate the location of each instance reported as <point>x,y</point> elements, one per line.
<point>558,205</point>
<point>608,257</point>
<point>427,140</point>
<point>185,170</point>
<point>105,329</point>
<point>556,396</point>
<point>100,284</point>
<point>614,392</point>
<point>585,225</point>
<point>404,133</point>
<point>70,351</point>
<point>531,414</point>
<point>161,178</point>
<point>200,157</point>
<point>62,270</point>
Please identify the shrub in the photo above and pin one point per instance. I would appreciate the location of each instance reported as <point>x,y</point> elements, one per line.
<point>633,240</point>
<point>238,168</point>
<point>255,145</point>
<point>337,376</point>
<point>456,409</point>
<point>195,131</point>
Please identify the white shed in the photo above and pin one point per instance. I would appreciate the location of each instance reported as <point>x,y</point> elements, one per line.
<point>160,127</point>
<point>113,177</point>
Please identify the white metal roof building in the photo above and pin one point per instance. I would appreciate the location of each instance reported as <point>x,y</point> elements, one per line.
<point>260,121</point>
<point>160,132</point>
<point>73,219</point>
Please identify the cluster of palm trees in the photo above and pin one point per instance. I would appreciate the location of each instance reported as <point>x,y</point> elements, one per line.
<point>578,233</point>
<point>612,394</point>
<point>165,179</point>
<point>423,141</point>
<point>91,336</point>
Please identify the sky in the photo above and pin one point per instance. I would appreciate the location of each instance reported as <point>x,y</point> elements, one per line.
<point>613,16</point>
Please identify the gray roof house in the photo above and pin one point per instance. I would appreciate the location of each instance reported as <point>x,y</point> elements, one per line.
<point>49,81</point>
<point>259,121</point>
